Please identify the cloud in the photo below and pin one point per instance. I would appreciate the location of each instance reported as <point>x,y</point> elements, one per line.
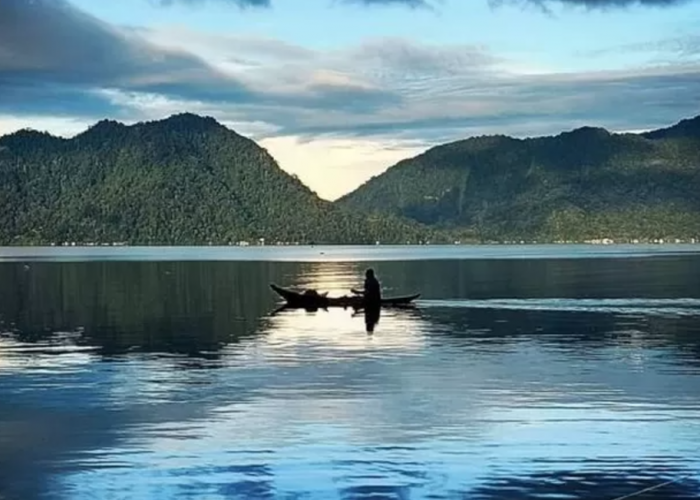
<point>683,47</point>
<point>52,51</point>
<point>594,4</point>
<point>66,46</point>
<point>441,92</point>
<point>435,94</point>
<point>382,87</point>
<point>268,3</point>
<point>414,4</point>
<point>430,4</point>
<point>237,3</point>
<point>616,3</point>
<point>394,87</point>
<point>537,104</point>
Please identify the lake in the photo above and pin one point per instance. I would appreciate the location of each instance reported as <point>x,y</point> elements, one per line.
<point>523,372</point>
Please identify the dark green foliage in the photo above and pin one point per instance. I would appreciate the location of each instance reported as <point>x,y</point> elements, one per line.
<point>184,180</point>
<point>579,185</point>
<point>189,180</point>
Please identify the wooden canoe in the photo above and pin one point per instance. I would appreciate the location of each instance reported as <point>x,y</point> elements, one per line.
<point>322,301</point>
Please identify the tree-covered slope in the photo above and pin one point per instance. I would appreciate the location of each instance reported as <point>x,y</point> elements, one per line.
<point>583,184</point>
<point>183,180</point>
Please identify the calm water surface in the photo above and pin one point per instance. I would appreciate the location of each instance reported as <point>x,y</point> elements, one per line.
<point>524,373</point>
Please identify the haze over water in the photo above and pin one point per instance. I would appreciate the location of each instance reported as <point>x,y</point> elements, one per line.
<point>524,373</point>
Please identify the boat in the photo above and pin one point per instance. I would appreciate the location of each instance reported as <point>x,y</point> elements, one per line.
<point>311,299</point>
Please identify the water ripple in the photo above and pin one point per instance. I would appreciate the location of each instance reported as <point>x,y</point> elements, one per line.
<point>159,381</point>
<point>629,306</point>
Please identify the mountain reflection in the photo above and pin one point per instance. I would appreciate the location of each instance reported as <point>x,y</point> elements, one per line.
<point>573,330</point>
<point>662,277</point>
<point>190,308</point>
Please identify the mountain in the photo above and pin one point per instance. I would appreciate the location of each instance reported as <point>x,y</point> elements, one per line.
<point>182,180</point>
<point>579,185</point>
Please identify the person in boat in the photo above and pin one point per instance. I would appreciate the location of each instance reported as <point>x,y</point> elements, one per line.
<point>372,291</point>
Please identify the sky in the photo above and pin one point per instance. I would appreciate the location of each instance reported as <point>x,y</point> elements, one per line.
<point>339,90</point>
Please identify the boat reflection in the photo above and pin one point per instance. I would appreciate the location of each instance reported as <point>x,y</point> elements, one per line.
<point>371,315</point>
<point>334,332</point>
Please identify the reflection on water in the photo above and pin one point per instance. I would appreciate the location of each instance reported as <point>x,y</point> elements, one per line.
<point>339,253</point>
<point>512,379</point>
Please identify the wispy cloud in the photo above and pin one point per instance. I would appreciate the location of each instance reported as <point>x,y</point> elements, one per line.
<point>268,3</point>
<point>414,4</point>
<point>683,46</point>
<point>406,3</point>
<point>442,91</point>
<point>237,3</point>
<point>595,4</point>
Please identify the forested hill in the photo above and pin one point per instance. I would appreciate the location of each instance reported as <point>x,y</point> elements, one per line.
<point>584,184</point>
<point>183,180</point>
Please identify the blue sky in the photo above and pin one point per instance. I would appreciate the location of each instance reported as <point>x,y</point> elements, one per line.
<point>339,90</point>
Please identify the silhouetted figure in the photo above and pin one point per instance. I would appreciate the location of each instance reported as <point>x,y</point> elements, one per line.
<point>372,291</point>
<point>372,303</point>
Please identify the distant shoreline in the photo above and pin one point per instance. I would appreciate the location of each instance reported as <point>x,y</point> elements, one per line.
<point>340,253</point>
<point>692,241</point>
